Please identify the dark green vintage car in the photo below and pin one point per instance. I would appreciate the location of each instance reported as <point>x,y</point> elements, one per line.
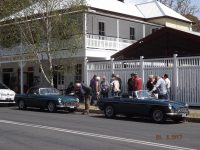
<point>143,104</point>
<point>49,98</point>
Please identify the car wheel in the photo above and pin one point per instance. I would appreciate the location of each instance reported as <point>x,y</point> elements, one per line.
<point>158,116</point>
<point>51,107</point>
<point>21,105</point>
<point>109,111</point>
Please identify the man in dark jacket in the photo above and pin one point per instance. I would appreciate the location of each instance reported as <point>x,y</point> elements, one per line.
<point>130,85</point>
<point>86,91</point>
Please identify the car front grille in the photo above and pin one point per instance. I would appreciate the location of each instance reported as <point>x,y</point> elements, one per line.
<point>71,103</point>
<point>182,110</point>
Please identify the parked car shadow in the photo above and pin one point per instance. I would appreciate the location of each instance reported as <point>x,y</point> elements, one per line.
<point>42,110</point>
<point>134,119</point>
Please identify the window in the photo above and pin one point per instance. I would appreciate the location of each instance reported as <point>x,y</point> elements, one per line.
<point>7,70</point>
<point>102,28</point>
<point>78,72</point>
<point>132,33</point>
<point>60,77</point>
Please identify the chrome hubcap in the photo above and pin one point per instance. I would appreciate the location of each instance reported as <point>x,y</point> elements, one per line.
<point>21,104</point>
<point>109,111</point>
<point>51,107</point>
<point>158,115</point>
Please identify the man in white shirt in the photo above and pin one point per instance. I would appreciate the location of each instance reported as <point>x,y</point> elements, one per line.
<point>160,86</point>
<point>168,84</point>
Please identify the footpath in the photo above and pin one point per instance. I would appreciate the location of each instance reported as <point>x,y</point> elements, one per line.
<point>194,115</point>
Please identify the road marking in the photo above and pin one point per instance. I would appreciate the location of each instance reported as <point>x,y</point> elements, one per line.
<point>96,135</point>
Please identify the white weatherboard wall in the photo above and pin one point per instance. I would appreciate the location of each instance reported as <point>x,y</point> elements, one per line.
<point>183,72</point>
<point>171,23</point>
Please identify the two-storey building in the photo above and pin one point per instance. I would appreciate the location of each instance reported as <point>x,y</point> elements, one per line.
<point>109,26</point>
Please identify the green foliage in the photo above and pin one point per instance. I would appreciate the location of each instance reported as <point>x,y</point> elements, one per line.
<point>46,31</point>
<point>9,36</point>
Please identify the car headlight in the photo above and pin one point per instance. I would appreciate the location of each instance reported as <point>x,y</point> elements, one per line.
<point>169,106</point>
<point>186,105</point>
<point>60,100</point>
<point>77,100</point>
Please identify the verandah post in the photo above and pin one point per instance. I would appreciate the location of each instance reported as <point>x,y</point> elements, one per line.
<point>142,68</point>
<point>112,67</point>
<point>86,70</point>
<point>175,77</point>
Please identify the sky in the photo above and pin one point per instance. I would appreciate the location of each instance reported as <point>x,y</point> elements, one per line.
<point>194,2</point>
<point>197,3</point>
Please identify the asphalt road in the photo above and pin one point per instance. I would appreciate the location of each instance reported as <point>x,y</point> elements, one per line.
<point>40,130</point>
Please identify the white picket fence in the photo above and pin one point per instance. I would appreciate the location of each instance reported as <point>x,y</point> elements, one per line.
<point>184,73</point>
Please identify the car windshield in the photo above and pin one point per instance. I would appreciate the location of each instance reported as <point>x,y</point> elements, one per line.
<point>49,91</point>
<point>142,94</point>
<point>2,86</point>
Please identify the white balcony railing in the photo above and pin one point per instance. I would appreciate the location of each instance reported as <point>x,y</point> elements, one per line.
<point>108,43</point>
<point>92,41</point>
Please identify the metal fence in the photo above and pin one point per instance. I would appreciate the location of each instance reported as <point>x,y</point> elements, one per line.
<point>184,73</point>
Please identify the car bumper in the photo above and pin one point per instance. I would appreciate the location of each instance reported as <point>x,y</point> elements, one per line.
<point>177,114</point>
<point>66,106</point>
<point>7,102</point>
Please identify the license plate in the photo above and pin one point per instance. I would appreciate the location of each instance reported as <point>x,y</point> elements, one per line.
<point>183,115</point>
<point>71,104</point>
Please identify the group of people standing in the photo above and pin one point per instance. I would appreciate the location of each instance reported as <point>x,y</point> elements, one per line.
<point>104,87</point>
<point>158,86</point>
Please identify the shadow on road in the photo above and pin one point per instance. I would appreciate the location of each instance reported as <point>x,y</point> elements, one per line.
<point>41,110</point>
<point>134,119</point>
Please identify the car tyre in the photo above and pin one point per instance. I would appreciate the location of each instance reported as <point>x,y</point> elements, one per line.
<point>21,105</point>
<point>109,111</point>
<point>158,116</point>
<point>51,107</point>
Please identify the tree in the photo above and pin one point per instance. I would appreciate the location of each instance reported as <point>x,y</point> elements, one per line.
<point>183,7</point>
<point>8,7</point>
<point>196,26</point>
<point>45,29</point>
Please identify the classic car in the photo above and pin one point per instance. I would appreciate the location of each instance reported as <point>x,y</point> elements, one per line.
<point>143,104</point>
<point>6,95</point>
<point>46,97</point>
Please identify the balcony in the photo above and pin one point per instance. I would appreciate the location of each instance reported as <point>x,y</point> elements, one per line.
<point>107,43</point>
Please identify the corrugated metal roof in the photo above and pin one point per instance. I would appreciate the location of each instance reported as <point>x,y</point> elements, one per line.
<point>137,8</point>
<point>115,6</point>
<point>153,9</point>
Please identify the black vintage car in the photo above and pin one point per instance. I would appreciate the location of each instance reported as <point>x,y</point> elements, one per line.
<point>143,104</point>
<point>49,98</point>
